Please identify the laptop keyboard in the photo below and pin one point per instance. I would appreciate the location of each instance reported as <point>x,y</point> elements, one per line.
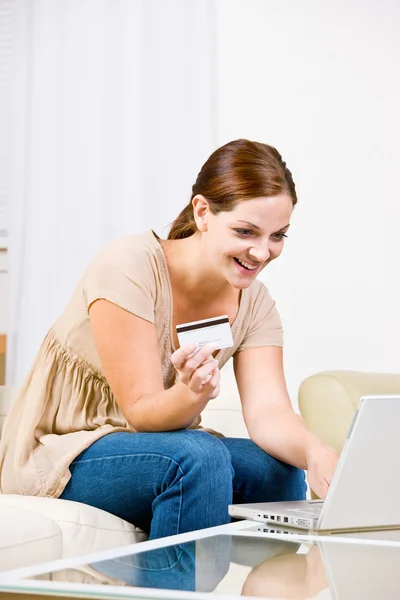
<point>313,509</point>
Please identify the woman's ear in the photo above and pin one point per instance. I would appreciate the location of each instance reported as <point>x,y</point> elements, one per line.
<point>201,211</point>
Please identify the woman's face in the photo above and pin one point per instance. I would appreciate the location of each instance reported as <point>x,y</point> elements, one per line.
<point>241,242</point>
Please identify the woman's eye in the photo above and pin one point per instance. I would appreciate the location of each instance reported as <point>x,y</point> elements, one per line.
<point>243,232</point>
<point>279,236</point>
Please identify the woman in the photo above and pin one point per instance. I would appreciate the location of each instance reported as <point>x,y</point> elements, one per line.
<point>110,412</point>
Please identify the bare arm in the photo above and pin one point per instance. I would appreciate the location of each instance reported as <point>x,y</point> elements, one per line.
<point>128,350</point>
<point>271,421</point>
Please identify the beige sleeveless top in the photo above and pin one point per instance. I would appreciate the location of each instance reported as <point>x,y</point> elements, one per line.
<point>66,403</point>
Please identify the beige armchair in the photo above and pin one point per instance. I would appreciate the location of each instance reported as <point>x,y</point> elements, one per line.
<point>328,400</point>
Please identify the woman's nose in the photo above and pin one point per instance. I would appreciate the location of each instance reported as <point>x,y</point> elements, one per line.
<point>260,253</point>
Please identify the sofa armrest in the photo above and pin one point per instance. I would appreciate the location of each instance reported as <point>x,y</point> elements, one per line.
<point>328,400</point>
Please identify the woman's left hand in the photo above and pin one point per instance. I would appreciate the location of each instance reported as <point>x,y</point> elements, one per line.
<point>321,464</point>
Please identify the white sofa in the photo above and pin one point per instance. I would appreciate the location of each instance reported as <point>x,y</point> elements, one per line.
<point>34,530</point>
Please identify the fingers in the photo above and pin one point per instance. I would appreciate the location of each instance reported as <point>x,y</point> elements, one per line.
<point>318,482</point>
<point>321,469</point>
<point>187,358</point>
<point>203,375</point>
<point>322,488</point>
<point>210,370</point>
<point>198,369</point>
<point>178,358</point>
<point>213,386</point>
<point>215,378</point>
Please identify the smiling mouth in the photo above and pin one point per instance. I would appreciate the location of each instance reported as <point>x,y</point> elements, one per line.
<point>245,265</point>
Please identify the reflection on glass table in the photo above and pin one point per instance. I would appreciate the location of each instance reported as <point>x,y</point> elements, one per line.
<point>250,566</point>
<point>389,535</point>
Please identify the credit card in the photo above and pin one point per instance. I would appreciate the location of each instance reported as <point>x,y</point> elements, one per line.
<point>216,331</point>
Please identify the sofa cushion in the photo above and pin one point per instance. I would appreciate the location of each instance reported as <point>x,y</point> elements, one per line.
<point>85,529</point>
<point>27,538</point>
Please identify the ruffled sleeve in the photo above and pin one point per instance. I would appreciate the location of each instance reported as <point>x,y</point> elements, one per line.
<point>122,274</point>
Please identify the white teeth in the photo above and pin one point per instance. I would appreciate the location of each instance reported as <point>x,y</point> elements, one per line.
<point>246,265</point>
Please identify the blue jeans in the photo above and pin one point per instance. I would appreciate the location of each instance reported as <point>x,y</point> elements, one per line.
<point>169,483</point>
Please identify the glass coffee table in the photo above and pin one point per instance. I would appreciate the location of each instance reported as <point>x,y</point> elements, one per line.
<point>240,559</point>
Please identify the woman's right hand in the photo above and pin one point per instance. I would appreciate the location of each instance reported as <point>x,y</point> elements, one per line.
<point>198,371</point>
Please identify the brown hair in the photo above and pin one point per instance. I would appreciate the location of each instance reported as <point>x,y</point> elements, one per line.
<point>240,170</point>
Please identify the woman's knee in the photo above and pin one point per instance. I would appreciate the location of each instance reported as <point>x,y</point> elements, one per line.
<point>204,453</point>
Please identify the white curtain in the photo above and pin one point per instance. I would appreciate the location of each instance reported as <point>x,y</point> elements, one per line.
<point>112,117</point>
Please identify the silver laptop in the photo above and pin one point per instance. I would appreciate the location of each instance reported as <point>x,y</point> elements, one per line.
<point>365,490</point>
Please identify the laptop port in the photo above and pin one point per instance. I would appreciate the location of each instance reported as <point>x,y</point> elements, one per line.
<point>272,518</point>
<point>266,517</point>
<point>286,519</point>
<point>279,519</point>
<point>302,522</point>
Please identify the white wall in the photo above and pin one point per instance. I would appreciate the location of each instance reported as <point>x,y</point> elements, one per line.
<point>320,81</point>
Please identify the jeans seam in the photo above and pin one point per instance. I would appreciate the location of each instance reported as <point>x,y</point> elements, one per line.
<point>180,506</point>
<point>136,454</point>
<point>179,468</point>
